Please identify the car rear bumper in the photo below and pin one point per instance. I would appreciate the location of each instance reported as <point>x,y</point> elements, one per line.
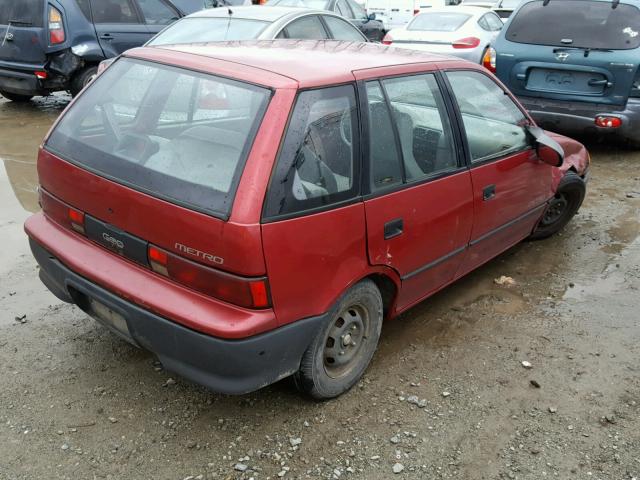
<point>20,82</point>
<point>222,365</point>
<point>579,118</point>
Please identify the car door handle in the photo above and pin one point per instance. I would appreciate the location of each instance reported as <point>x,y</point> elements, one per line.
<point>597,83</point>
<point>393,228</point>
<point>106,36</point>
<point>488,192</point>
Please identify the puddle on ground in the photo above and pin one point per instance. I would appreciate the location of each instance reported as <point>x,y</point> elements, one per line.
<point>612,280</point>
<point>23,127</point>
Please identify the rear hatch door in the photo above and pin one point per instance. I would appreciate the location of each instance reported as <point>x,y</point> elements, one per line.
<point>156,152</point>
<point>22,31</point>
<point>576,50</point>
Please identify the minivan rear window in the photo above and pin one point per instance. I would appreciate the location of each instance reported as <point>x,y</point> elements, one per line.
<point>22,13</point>
<point>577,23</point>
<point>176,134</point>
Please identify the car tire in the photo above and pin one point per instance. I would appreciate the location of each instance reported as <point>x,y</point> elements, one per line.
<point>562,207</point>
<point>344,346</point>
<point>14,97</point>
<point>82,79</point>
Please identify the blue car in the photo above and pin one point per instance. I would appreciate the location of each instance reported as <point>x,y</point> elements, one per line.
<point>574,65</point>
<point>52,45</point>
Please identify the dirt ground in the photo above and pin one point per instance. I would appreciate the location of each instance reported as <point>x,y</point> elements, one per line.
<point>78,403</point>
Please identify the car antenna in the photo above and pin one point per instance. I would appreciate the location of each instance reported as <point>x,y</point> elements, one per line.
<point>615,4</point>
<point>229,11</point>
<point>545,3</point>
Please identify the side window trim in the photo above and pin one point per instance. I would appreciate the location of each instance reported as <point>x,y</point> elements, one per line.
<point>460,122</point>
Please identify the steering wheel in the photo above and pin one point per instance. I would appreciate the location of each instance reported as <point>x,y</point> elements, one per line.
<point>345,126</point>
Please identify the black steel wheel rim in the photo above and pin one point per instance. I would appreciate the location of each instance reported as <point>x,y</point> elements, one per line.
<point>345,341</point>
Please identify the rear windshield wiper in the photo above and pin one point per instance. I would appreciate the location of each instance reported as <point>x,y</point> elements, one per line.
<point>586,50</point>
<point>19,22</point>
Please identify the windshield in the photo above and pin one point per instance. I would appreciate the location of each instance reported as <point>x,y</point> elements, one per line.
<point>577,23</point>
<point>317,4</point>
<point>22,13</point>
<point>174,134</point>
<point>202,29</point>
<point>439,22</point>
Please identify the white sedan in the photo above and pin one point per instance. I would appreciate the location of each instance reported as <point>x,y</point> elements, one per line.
<point>466,32</point>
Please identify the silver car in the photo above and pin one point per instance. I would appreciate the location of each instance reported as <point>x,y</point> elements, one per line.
<point>257,23</point>
<point>466,32</point>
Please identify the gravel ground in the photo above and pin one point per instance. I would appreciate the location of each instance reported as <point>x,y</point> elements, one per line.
<point>483,381</point>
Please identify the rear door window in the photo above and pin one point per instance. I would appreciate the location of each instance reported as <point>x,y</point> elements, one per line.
<point>423,126</point>
<point>309,27</point>
<point>114,11</point>
<point>342,29</point>
<point>493,123</point>
<point>577,23</point>
<point>175,134</point>
<point>317,165</point>
<point>157,12</point>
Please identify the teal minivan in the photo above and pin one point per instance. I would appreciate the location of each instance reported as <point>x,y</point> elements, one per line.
<point>574,65</point>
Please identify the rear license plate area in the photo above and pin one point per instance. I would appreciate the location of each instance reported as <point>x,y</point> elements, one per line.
<point>565,81</point>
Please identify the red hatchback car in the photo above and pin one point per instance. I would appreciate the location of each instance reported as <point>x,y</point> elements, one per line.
<point>251,211</point>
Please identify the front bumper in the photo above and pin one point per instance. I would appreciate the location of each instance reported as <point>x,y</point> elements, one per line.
<point>579,118</point>
<point>225,366</point>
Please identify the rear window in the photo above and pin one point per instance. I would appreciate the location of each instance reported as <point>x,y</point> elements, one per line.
<point>577,23</point>
<point>26,13</point>
<point>317,4</point>
<point>196,30</point>
<point>175,134</point>
<point>439,22</point>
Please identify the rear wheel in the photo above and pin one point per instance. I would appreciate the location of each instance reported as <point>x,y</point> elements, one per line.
<point>14,97</point>
<point>82,79</point>
<point>344,346</point>
<point>562,207</point>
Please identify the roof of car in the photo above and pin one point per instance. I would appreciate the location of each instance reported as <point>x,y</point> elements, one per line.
<point>253,12</point>
<point>308,62</point>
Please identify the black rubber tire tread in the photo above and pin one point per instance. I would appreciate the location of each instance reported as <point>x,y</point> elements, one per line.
<point>79,80</point>
<point>312,378</point>
<point>574,187</point>
<point>14,97</point>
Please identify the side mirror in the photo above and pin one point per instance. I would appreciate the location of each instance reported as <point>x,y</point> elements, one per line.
<point>371,16</point>
<point>548,150</point>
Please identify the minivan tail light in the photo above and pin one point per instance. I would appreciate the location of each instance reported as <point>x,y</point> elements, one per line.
<point>489,60</point>
<point>56,26</point>
<point>244,292</point>
<point>606,121</point>
<point>467,42</point>
<point>387,40</point>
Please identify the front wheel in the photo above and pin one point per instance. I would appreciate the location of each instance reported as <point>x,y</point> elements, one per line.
<point>562,207</point>
<point>14,97</point>
<point>344,346</point>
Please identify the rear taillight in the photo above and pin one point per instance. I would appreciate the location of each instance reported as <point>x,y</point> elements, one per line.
<point>606,121</point>
<point>56,26</point>
<point>468,42</point>
<point>76,219</point>
<point>489,60</point>
<point>387,40</point>
<point>61,213</point>
<point>244,292</point>
<point>42,75</point>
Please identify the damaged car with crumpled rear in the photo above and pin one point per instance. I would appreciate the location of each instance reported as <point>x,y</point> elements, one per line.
<point>56,45</point>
